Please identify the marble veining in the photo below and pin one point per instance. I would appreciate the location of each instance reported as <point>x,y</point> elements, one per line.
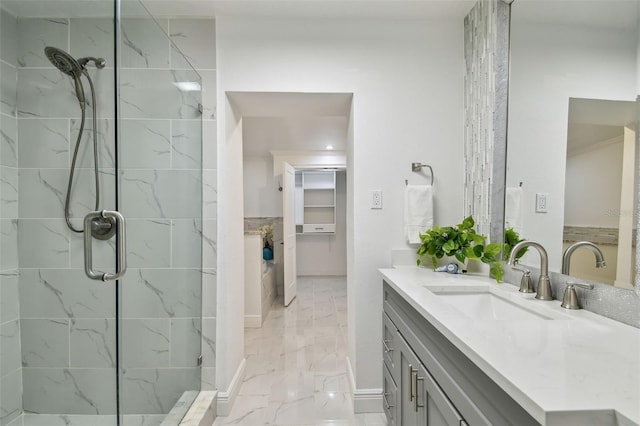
<point>158,293</point>
<point>58,294</point>
<point>185,145</point>
<point>208,340</point>
<point>148,188</point>
<point>106,142</point>
<point>8,191</point>
<point>100,335</point>
<point>44,143</point>
<point>35,34</point>
<point>209,241</point>
<point>137,50</point>
<point>51,188</point>
<point>148,389</point>
<point>8,150</point>
<point>45,342</point>
<point>79,392</point>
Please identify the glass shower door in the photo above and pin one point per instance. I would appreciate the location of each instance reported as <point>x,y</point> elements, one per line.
<point>78,351</point>
<point>160,194</point>
<point>57,326</point>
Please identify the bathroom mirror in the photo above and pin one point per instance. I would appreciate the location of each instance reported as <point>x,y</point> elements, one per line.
<point>573,112</point>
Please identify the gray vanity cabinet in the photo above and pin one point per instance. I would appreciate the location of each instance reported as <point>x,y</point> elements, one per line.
<point>417,398</point>
<point>429,381</point>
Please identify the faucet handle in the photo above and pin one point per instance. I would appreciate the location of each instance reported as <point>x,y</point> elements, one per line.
<point>570,299</point>
<point>526,286</point>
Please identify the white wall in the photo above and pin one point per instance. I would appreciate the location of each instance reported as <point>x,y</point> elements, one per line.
<point>548,65</point>
<point>593,181</point>
<point>261,195</point>
<point>326,254</point>
<point>406,78</point>
<point>230,319</point>
<point>261,135</point>
<point>638,58</point>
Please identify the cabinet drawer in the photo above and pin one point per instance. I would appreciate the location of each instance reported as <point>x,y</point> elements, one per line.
<point>319,228</point>
<point>389,397</point>
<point>389,333</point>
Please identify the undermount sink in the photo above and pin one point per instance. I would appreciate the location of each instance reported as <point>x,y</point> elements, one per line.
<point>486,305</point>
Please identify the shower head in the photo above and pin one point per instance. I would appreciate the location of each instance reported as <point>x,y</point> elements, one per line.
<point>98,62</point>
<point>63,61</point>
<point>74,68</point>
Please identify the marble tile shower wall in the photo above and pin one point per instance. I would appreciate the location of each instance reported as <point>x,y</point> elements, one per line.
<point>10,363</point>
<point>68,321</point>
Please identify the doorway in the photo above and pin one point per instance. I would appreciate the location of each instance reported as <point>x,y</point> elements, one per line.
<point>309,132</point>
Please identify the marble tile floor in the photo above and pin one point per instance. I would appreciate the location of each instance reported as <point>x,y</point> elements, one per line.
<point>296,363</point>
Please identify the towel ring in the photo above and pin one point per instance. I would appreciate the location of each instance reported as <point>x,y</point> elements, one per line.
<point>417,167</point>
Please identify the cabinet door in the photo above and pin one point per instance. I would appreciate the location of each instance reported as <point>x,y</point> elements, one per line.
<point>435,408</point>
<point>420,400</point>
<point>409,366</point>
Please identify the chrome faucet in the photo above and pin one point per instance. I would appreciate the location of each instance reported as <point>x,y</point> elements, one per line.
<point>566,257</point>
<point>544,283</point>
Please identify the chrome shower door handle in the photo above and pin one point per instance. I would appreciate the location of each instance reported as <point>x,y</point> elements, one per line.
<point>121,247</point>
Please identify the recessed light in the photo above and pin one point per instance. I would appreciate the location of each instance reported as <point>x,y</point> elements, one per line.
<point>188,86</point>
<point>328,147</point>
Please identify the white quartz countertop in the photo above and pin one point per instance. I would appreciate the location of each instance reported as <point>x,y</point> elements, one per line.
<point>578,368</point>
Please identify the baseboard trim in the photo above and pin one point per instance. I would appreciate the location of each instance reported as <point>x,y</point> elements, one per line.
<point>226,398</point>
<point>252,321</point>
<point>364,400</point>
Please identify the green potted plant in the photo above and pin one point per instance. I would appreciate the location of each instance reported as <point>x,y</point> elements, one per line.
<point>462,242</point>
<point>511,238</point>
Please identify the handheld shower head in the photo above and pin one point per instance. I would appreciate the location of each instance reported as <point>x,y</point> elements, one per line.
<point>75,68</point>
<point>63,61</point>
<point>68,65</point>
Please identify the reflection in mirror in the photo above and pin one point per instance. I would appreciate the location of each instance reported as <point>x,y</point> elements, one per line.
<point>599,191</point>
<point>573,84</point>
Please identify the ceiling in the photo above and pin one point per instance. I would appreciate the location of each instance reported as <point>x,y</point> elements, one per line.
<point>594,13</point>
<point>278,121</point>
<point>289,104</point>
<point>336,9</point>
<point>605,13</point>
<point>330,9</point>
<point>594,121</point>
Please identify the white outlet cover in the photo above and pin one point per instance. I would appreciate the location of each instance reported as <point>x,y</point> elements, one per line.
<point>542,202</point>
<point>376,199</point>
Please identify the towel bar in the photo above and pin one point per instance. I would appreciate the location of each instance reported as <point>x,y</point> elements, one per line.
<point>417,167</point>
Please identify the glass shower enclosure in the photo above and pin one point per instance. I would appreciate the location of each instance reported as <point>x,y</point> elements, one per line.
<point>111,98</point>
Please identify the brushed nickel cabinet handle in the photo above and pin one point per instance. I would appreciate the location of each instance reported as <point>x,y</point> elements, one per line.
<point>416,403</point>
<point>410,374</point>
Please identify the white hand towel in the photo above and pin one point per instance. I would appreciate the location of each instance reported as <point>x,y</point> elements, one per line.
<point>418,211</point>
<point>513,211</point>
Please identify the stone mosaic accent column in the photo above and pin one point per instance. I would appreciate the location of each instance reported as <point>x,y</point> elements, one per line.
<point>486,46</point>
